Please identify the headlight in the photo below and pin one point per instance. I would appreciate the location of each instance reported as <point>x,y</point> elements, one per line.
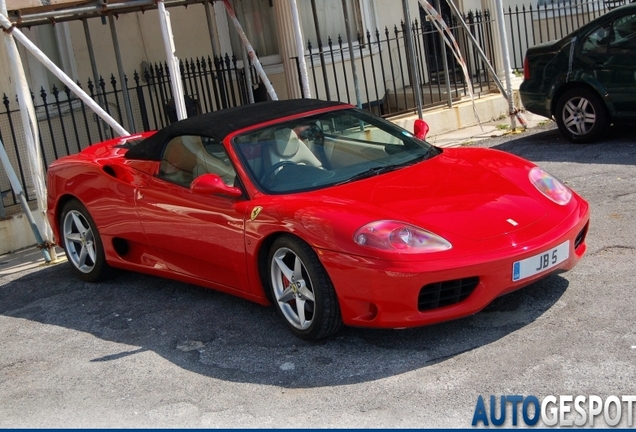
<point>550,186</point>
<point>399,237</point>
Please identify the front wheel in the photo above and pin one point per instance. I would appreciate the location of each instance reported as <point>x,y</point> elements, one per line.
<point>581,116</point>
<point>82,244</point>
<point>301,289</point>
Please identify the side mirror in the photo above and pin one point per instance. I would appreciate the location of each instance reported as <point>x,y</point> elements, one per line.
<point>211,184</point>
<point>420,129</point>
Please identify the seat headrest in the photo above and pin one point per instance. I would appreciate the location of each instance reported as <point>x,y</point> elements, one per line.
<point>287,142</point>
<point>192,143</point>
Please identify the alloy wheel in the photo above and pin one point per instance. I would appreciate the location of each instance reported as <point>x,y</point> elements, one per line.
<point>292,288</point>
<point>79,241</point>
<point>579,116</point>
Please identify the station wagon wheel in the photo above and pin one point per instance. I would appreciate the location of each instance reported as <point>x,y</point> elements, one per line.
<point>301,289</point>
<point>82,243</point>
<point>581,115</point>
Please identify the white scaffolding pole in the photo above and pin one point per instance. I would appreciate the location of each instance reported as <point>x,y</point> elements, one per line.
<point>300,51</point>
<point>42,231</point>
<point>38,54</point>
<point>250,51</point>
<point>173,61</point>
<point>506,60</point>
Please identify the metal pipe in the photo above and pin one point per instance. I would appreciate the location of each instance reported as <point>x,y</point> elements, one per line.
<point>300,51</point>
<point>3,213</point>
<point>173,62</point>
<point>479,50</point>
<point>31,134</point>
<point>248,76</point>
<point>122,74</point>
<point>246,69</point>
<point>506,61</point>
<point>415,84</point>
<point>70,14</point>
<point>449,95</point>
<point>38,54</point>
<point>100,8</point>
<point>352,57</point>
<point>250,50</point>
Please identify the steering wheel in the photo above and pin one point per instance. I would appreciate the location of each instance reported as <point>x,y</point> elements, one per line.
<point>270,175</point>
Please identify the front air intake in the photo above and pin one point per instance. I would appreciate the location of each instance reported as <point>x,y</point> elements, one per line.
<point>580,237</point>
<point>440,294</point>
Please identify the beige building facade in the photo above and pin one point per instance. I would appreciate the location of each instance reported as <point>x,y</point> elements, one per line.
<point>200,30</point>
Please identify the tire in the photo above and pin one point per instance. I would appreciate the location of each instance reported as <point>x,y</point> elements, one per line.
<point>297,278</point>
<point>581,115</point>
<point>82,243</point>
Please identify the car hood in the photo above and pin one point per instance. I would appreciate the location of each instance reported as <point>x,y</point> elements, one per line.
<point>464,192</point>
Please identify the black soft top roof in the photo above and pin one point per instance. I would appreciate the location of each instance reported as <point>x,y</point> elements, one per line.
<point>219,124</point>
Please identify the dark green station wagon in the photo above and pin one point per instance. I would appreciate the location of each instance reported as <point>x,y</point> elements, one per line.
<point>587,80</point>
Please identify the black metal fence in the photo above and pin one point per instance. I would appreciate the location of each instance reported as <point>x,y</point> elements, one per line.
<point>66,126</point>
<point>384,78</point>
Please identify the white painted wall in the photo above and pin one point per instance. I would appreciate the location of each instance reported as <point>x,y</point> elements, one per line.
<point>16,233</point>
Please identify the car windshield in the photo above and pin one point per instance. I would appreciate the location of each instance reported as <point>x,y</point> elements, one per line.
<point>327,149</point>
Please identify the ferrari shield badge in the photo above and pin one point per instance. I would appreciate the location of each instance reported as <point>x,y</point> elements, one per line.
<point>255,211</point>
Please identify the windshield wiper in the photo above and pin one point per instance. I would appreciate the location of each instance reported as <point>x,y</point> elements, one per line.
<point>372,172</point>
<point>430,152</point>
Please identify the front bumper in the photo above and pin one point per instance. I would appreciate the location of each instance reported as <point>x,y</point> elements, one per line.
<point>384,294</point>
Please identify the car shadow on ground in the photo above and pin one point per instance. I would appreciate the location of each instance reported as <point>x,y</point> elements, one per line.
<point>227,338</point>
<point>546,144</point>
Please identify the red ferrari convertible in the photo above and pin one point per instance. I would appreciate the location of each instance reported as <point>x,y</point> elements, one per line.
<point>335,216</point>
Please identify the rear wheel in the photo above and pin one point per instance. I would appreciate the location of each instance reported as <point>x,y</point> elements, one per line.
<point>82,244</point>
<point>581,116</point>
<point>301,289</point>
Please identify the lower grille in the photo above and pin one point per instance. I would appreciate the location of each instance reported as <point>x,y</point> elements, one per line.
<point>440,294</point>
<point>580,237</point>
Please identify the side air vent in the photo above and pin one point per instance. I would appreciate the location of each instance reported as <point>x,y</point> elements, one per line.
<point>121,246</point>
<point>440,294</point>
<point>109,170</point>
<point>580,238</point>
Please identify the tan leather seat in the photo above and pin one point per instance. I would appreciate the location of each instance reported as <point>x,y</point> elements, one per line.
<point>207,163</point>
<point>288,147</point>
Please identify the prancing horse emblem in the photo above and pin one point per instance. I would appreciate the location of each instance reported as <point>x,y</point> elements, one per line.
<point>255,211</point>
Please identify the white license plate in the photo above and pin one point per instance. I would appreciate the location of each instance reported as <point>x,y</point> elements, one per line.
<point>540,262</point>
